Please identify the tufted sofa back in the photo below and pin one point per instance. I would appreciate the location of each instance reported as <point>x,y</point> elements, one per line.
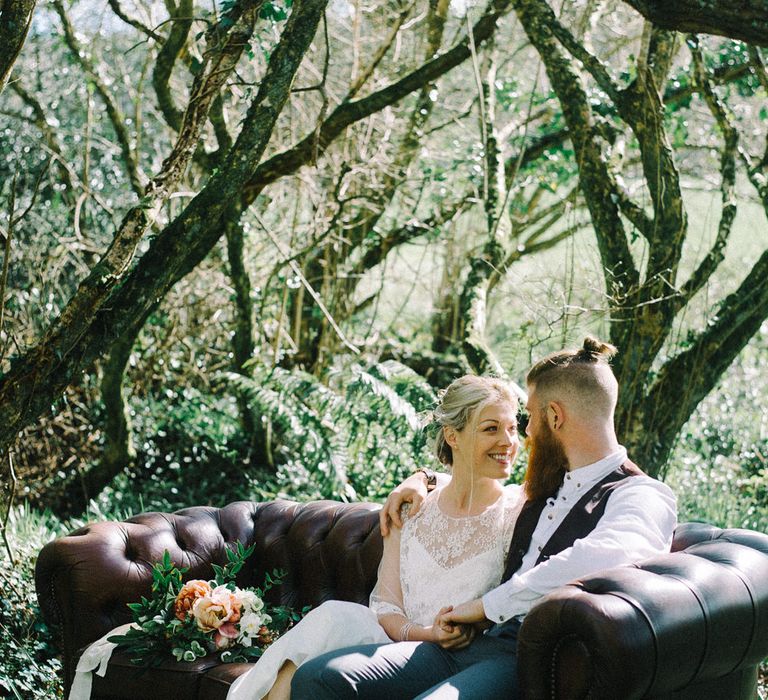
<point>327,550</point>
<point>688,625</point>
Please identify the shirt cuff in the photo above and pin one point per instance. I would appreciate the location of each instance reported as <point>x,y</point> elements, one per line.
<point>505,603</point>
<point>494,605</point>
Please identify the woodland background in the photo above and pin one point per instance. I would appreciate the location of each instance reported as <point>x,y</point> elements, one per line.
<point>245,242</point>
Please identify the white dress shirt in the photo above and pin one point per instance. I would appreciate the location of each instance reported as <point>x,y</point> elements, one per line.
<point>638,522</point>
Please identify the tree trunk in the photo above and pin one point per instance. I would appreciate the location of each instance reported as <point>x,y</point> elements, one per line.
<point>41,374</point>
<point>242,341</point>
<point>746,19</point>
<point>15,18</point>
<point>654,403</point>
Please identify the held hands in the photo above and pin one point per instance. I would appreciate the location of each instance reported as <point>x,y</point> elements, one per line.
<point>468,614</point>
<point>450,636</point>
<point>413,490</point>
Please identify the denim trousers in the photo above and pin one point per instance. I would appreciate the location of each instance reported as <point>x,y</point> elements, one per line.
<point>484,670</point>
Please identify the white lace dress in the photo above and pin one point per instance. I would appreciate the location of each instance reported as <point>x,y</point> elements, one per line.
<point>434,561</point>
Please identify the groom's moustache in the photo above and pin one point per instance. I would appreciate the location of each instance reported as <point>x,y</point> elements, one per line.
<point>547,465</point>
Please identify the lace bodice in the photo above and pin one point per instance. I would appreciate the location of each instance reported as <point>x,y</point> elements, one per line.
<point>438,560</point>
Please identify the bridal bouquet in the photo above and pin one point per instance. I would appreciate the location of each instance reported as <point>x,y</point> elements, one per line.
<point>186,621</point>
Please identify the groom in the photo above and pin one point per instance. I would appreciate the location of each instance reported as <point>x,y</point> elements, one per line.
<point>588,508</point>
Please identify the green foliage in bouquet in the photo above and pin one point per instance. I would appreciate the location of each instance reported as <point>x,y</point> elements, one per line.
<point>187,621</point>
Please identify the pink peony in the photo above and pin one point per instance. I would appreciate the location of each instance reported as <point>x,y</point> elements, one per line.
<point>225,636</point>
<point>213,610</point>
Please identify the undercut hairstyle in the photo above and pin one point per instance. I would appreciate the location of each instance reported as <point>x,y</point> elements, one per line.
<point>582,379</point>
<point>461,401</point>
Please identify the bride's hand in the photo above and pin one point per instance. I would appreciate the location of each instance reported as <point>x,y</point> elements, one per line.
<point>451,636</point>
<point>465,614</point>
<point>413,490</point>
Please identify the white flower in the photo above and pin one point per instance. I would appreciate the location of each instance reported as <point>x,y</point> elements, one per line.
<point>249,626</point>
<point>250,601</point>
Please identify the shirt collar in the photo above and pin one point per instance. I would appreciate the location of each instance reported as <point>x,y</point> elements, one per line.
<point>592,473</point>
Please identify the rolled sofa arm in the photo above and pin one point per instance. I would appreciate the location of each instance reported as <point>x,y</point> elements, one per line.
<point>690,624</point>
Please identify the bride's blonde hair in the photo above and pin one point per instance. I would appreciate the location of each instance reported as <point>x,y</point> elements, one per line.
<point>461,401</point>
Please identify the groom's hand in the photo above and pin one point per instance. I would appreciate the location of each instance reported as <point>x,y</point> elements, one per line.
<point>465,614</point>
<point>451,636</point>
<point>413,490</point>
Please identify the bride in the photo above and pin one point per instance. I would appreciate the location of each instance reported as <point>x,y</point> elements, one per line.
<point>451,551</point>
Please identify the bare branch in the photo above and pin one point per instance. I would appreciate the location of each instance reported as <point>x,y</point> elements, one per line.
<point>348,113</point>
<point>599,190</point>
<point>115,5</point>
<point>662,50</point>
<point>113,110</point>
<point>77,339</point>
<point>703,361</point>
<point>532,245</point>
<point>166,59</point>
<point>225,47</point>
<point>633,211</point>
<point>362,78</point>
<point>728,173</point>
<point>49,134</point>
<point>11,497</point>
<point>7,259</point>
<point>297,271</point>
<point>594,65</point>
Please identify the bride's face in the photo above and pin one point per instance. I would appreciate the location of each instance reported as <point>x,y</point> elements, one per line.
<point>488,444</point>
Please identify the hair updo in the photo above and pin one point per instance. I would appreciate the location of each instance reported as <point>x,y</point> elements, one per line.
<point>594,350</point>
<point>459,402</point>
<point>582,376</point>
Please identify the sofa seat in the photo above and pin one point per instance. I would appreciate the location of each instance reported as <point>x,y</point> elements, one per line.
<point>689,624</point>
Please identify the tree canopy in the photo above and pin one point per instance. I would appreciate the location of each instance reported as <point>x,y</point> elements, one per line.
<point>268,164</point>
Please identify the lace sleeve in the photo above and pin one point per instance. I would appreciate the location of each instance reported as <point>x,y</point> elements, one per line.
<point>387,595</point>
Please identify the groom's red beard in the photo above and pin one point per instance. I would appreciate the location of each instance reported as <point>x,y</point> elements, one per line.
<point>547,464</point>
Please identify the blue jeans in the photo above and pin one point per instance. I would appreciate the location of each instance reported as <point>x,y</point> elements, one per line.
<point>487,668</point>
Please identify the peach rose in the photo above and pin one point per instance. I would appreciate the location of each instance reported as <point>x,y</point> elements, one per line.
<point>189,593</point>
<point>215,609</point>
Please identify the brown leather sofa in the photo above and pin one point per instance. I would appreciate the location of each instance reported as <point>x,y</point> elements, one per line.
<point>691,624</point>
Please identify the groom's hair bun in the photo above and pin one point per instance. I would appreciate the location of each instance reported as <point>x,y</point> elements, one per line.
<point>594,350</point>
<point>581,377</point>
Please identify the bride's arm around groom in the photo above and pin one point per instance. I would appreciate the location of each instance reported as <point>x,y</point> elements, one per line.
<point>588,507</point>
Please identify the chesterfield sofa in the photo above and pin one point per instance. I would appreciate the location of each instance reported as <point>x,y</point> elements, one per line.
<point>691,624</point>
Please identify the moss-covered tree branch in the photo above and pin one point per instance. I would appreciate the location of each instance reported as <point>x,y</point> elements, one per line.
<point>181,22</point>
<point>746,20</point>
<point>15,18</point>
<point>38,377</point>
